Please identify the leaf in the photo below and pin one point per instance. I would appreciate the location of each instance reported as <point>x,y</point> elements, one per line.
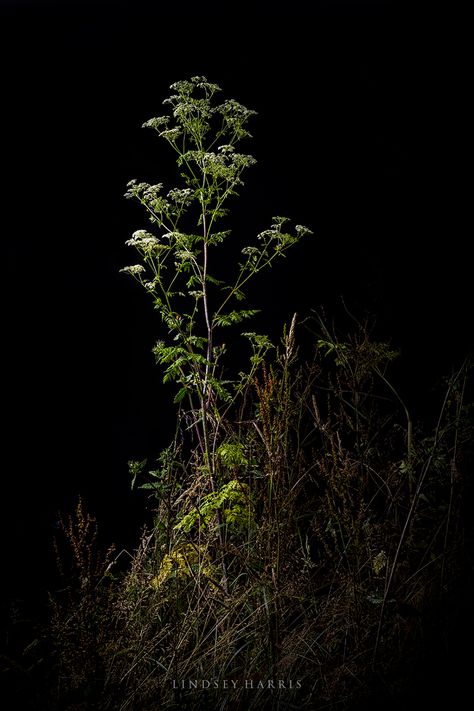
<point>258,341</point>
<point>213,280</point>
<point>167,354</point>
<point>220,390</point>
<point>193,281</point>
<point>232,454</point>
<point>218,237</point>
<point>234,317</point>
<point>235,493</point>
<point>180,395</point>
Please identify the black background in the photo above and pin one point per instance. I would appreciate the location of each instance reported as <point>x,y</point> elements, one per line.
<point>361,134</point>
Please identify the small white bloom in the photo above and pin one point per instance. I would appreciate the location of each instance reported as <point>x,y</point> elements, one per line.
<point>141,239</point>
<point>137,236</point>
<point>171,134</point>
<point>134,269</point>
<point>301,230</point>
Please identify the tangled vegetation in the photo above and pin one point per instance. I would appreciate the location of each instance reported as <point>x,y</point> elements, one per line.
<point>339,544</point>
<point>307,530</point>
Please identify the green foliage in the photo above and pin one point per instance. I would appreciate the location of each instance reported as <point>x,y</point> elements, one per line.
<point>232,455</point>
<point>184,562</point>
<point>177,256</point>
<point>233,498</point>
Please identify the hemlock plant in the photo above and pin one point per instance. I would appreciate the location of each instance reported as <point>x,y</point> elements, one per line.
<point>179,259</point>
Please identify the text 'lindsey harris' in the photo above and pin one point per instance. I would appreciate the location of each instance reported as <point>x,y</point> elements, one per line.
<point>236,684</point>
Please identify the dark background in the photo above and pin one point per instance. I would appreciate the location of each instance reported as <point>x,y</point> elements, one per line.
<point>361,134</point>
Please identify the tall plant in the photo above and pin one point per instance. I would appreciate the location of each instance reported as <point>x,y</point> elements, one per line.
<point>180,258</point>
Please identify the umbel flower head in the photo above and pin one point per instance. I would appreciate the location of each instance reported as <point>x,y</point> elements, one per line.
<point>134,269</point>
<point>145,242</point>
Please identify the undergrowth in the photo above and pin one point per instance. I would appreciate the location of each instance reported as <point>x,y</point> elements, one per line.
<point>342,538</point>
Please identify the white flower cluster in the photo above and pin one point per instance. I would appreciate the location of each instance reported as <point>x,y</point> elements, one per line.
<point>301,230</point>
<point>158,123</point>
<point>171,134</point>
<point>182,196</point>
<point>135,269</point>
<point>141,239</point>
